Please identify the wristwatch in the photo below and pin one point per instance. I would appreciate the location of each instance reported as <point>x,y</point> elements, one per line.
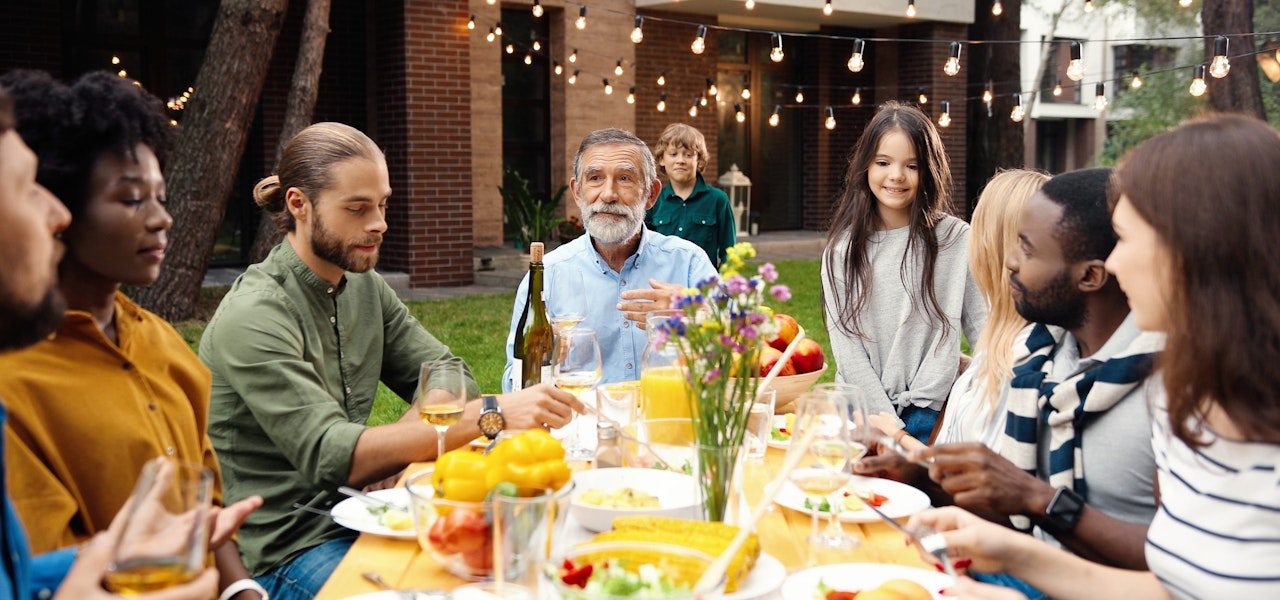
<point>491,421</point>
<point>1063,512</point>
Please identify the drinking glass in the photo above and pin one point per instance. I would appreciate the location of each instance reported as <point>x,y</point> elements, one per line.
<point>441,396</point>
<point>165,535</point>
<point>575,364</point>
<point>760,424</point>
<point>823,469</point>
<point>567,305</point>
<point>859,437</point>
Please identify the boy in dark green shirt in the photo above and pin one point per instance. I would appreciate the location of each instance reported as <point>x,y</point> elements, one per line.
<point>687,207</point>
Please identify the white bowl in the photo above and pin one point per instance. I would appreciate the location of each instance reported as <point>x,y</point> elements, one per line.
<point>675,491</point>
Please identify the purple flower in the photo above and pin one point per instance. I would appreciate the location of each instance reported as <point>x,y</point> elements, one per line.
<point>781,293</point>
<point>711,376</point>
<point>750,332</point>
<point>737,285</point>
<point>768,272</point>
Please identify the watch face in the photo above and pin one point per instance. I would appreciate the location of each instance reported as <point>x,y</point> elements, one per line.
<point>491,424</point>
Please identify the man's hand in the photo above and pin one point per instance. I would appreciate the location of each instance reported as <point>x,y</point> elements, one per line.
<point>637,304</point>
<point>978,478</point>
<point>539,406</point>
<point>84,580</point>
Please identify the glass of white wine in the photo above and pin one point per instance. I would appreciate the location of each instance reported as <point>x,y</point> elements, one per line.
<point>164,536</point>
<point>824,467</point>
<point>857,432</point>
<point>567,305</point>
<point>576,366</point>
<point>441,395</point>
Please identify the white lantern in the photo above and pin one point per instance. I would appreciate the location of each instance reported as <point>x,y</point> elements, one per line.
<point>738,187</point>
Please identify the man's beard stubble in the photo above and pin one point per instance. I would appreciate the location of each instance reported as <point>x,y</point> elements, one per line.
<point>1059,303</point>
<point>22,326</point>
<point>330,248</point>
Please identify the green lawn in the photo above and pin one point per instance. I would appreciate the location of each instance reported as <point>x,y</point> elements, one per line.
<point>475,328</point>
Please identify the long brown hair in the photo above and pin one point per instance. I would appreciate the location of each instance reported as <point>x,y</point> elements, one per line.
<point>305,164</point>
<point>857,215</point>
<point>1211,190</point>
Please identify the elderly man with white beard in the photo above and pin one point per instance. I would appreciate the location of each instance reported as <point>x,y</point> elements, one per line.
<point>627,270</point>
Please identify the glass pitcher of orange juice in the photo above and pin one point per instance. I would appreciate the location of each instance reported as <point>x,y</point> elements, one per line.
<point>664,390</point>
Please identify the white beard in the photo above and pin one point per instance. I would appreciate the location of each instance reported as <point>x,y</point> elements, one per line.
<point>608,230</point>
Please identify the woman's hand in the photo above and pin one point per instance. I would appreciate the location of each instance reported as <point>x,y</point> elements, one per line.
<point>991,547</point>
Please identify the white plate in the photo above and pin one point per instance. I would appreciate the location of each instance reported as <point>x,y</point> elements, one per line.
<point>765,577</point>
<point>857,577</point>
<point>903,500</point>
<point>353,513</point>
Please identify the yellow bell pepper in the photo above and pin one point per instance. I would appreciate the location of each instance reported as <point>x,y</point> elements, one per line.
<point>460,475</point>
<point>532,459</point>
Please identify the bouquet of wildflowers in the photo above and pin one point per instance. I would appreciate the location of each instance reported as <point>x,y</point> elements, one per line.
<point>720,335</point>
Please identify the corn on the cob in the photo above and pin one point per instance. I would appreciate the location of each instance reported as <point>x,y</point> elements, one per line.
<point>709,537</point>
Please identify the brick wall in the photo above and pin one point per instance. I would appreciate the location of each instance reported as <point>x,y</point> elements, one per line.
<point>666,48</point>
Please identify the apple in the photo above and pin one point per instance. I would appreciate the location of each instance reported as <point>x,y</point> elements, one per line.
<point>769,356</point>
<point>808,356</point>
<point>787,330</point>
<point>462,530</point>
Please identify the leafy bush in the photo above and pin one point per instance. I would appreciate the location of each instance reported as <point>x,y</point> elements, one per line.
<point>531,219</point>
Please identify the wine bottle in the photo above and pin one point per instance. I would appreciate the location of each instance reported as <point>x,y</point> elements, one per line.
<point>532,351</point>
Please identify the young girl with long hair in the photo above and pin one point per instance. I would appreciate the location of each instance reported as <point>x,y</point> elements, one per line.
<point>895,279</point>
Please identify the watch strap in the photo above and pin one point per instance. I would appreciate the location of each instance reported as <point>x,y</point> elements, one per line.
<point>489,403</point>
<point>1063,512</point>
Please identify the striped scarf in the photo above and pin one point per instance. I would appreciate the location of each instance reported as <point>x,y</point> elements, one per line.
<point>1067,406</point>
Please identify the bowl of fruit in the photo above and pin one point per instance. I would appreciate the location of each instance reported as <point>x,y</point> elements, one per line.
<point>620,570</point>
<point>800,372</point>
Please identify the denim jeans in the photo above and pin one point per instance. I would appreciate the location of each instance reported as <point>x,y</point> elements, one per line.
<point>919,421</point>
<point>303,578</point>
<point>1011,582</point>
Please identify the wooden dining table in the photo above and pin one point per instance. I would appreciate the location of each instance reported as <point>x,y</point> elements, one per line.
<point>782,531</point>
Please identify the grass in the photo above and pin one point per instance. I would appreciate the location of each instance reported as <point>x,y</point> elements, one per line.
<point>475,328</point>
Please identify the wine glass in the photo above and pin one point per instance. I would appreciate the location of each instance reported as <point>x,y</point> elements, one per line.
<point>858,435</point>
<point>823,469</point>
<point>576,366</point>
<point>164,536</point>
<point>567,305</point>
<point>441,395</point>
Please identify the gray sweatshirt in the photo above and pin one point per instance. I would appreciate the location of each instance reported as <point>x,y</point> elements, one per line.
<point>903,358</point>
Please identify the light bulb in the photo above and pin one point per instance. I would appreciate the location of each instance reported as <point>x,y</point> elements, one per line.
<point>953,61</point>
<point>115,60</point>
<point>631,95</point>
<point>911,9</point>
<point>775,54</point>
<point>510,49</point>
<point>537,45</point>
<point>830,123</point>
<point>608,88</point>
<point>997,9</point>
<point>1100,97</point>
<point>699,44</point>
<point>799,95</point>
<point>1057,87</point>
<point>1220,65</point>
<point>857,96</point>
<point>738,114</point>
<point>693,110</point>
<point>581,23</point>
<point>492,35</point>
<point>1075,68</point>
<point>1088,6</point>
<point>774,119</point>
<point>746,91</point>
<point>557,67</point>
<point>491,2</point>
<point>1136,82</point>
<point>1198,86</point>
<point>528,58</point>
<point>855,60</point>
<point>471,24</point>
<point>826,9</point>
<point>986,94</point>
<point>1184,3</point>
<point>123,73</point>
<point>574,77</point>
<point>711,87</point>
<point>702,100</point>
<point>944,119</point>
<point>751,4</point>
<point>662,78</point>
<point>617,70</point>
<point>573,56</point>
<point>537,8</point>
<point>662,102</point>
<point>1017,113</point>
<point>497,29</point>
<point>922,98</point>
<point>637,34</point>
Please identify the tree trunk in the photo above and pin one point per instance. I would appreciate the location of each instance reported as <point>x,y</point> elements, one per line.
<point>202,168</point>
<point>1240,91</point>
<point>301,103</point>
<point>995,141</point>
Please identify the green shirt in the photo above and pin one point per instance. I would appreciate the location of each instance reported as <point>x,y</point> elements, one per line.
<point>296,363</point>
<point>704,218</point>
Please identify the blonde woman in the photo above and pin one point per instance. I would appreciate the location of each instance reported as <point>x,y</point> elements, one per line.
<point>975,407</point>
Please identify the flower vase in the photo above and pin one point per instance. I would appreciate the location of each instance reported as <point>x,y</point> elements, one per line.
<point>713,468</point>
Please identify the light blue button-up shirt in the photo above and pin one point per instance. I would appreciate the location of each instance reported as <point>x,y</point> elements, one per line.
<point>667,259</point>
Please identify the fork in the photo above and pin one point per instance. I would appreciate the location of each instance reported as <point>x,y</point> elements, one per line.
<point>929,540</point>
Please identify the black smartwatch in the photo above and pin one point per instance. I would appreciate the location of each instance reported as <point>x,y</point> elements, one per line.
<point>491,421</point>
<point>1063,512</point>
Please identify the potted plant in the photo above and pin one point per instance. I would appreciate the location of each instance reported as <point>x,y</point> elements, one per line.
<point>527,217</point>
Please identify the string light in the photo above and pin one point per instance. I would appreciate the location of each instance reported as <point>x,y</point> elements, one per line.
<point>751,4</point>
<point>997,9</point>
<point>557,67</point>
<point>617,70</point>
<point>528,58</point>
<point>510,49</point>
<point>738,115</point>
<point>497,28</point>
<point>1057,87</point>
<point>1220,65</point>
<point>1198,86</point>
<point>953,61</point>
<point>911,9</point>
<point>637,34</point>
<point>746,89</point>
<point>574,77</point>
<point>855,60</point>
<point>471,24</point>
<point>1075,68</point>
<point>776,53</point>
<point>581,23</point>
<point>699,44</point>
<point>662,102</point>
<point>1100,97</point>
<point>492,35</point>
<point>857,96</point>
<point>944,119</point>
<point>491,2</point>
<point>830,123</point>
<point>702,100</point>
<point>1088,6</point>
<point>922,99</point>
<point>631,95</point>
<point>987,96</point>
<point>712,90</point>
<point>1017,113</point>
<point>115,60</point>
<point>537,46</point>
<point>537,9</point>
<point>776,116</point>
<point>1184,3</point>
<point>662,78</point>
<point>693,110</point>
<point>800,95</point>
<point>827,9</point>
<point>1136,82</point>
<point>573,56</point>
<point>608,88</point>
<point>123,73</point>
